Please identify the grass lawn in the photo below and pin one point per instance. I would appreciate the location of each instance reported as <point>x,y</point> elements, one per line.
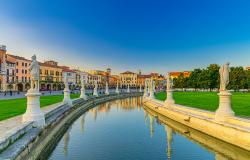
<point>13,107</point>
<point>210,101</point>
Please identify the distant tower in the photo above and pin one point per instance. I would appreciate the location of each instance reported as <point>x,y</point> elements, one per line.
<point>109,71</point>
<point>139,72</point>
<point>108,74</point>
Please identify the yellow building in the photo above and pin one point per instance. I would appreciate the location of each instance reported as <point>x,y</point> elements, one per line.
<point>128,78</point>
<point>50,76</point>
<point>248,68</point>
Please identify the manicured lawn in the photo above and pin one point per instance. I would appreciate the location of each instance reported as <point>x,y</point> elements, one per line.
<point>14,107</point>
<point>210,101</point>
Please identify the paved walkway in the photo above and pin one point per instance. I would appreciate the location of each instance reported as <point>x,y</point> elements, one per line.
<point>12,123</point>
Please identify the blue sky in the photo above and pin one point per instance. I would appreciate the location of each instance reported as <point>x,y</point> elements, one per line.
<point>152,35</point>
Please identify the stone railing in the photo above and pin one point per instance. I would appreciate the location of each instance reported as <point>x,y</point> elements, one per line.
<point>233,130</point>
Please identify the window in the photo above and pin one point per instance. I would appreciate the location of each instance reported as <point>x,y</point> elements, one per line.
<point>22,79</point>
<point>25,79</point>
<point>25,71</point>
<point>16,78</point>
<point>25,64</point>
<point>16,70</point>
<point>22,71</point>
<point>22,64</point>
<point>17,63</point>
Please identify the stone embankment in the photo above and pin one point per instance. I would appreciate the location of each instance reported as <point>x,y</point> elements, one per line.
<point>233,130</point>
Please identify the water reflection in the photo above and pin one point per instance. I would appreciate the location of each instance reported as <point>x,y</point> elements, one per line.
<point>169,132</point>
<point>66,139</point>
<point>222,150</point>
<point>82,118</point>
<point>125,129</point>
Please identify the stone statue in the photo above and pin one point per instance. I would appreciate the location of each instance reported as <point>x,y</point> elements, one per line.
<point>34,69</point>
<point>169,82</point>
<point>82,82</point>
<point>224,76</point>
<point>66,81</point>
<point>96,85</point>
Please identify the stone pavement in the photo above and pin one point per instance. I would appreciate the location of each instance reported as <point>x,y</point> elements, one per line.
<point>6,126</point>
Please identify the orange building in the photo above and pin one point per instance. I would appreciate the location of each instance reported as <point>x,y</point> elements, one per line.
<point>22,80</point>
<point>113,79</point>
<point>177,74</point>
<point>141,79</point>
<point>3,67</point>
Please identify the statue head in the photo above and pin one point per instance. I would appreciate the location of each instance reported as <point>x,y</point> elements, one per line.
<point>33,57</point>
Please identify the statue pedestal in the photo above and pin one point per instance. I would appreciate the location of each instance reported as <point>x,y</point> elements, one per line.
<point>95,93</point>
<point>66,99</point>
<point>224,111</point>
<point>128,90</point>
<point>151,94</point>
<point>169,101</point>
<point>83,95</point>
<point>33,111</point>
<point>117,91</point>
<point>107,92</point>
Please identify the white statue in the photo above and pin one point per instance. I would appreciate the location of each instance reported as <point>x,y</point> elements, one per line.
<point>224,76</point>
<point>96,85</point>
<point>83,95</point>
<point>169,82</point>
<point>66,83</point>
<point>107,89</point>
<point>34,69</point>
<point>95,92</point>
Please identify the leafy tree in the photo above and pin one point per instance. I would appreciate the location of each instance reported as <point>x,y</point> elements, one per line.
<point>194,79</point>
<point>248,79</point>
<point>181,81</point>
<point>213,76</point>
<point>238,78</point>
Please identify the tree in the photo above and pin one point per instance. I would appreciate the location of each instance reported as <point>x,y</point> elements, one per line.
<point>238,78</point>
<point>180,81</point>
<point>213,76</point>
<point>248,79</point>
<point>194,79</point>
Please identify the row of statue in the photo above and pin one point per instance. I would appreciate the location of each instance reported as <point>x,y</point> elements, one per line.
<point>34,69</point>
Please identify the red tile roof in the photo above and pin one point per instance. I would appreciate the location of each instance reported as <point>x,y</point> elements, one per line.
<point>128,72</point>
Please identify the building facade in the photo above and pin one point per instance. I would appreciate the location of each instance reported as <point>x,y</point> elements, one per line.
<point>50,76</point>
<point>22,80</point>
<point>128,78</point>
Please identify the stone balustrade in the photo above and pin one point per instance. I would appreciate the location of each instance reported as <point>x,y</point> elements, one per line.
<point>233,130</point>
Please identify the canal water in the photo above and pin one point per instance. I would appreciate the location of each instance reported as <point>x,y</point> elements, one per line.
<point>126,130</point>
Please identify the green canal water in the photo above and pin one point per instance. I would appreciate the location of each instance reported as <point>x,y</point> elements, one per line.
<point>126,130</point>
